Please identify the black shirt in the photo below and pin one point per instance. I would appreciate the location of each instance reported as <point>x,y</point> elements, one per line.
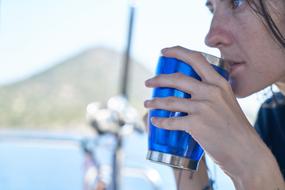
<point>270,125</point>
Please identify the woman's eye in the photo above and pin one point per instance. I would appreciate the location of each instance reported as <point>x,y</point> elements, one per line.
<point>237,3</point>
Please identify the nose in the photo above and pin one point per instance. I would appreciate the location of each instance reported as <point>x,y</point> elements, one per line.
<point>219,34</point>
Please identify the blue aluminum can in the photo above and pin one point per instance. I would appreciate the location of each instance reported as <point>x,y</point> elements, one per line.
<point>176,148</point>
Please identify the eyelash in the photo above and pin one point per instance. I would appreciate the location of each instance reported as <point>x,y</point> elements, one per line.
<point>237,3</point>
<point>234,4</point>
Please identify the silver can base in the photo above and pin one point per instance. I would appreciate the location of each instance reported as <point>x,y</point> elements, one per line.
<point>173,160</point>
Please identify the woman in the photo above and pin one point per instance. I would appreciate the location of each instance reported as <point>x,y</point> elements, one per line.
<point>248,35</point>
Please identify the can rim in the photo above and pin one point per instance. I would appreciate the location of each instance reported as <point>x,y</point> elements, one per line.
<point>173,160</point>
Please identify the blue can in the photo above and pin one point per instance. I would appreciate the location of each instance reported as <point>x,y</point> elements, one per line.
<point>176,148</point>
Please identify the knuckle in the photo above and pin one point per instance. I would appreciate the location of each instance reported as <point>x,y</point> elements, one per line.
<point>165,123</point>
<point>200,108</point>
<point>226,85</point>
<point>156,101</point>
<point>192,106</point>
<point>204,106</point>
<point>170,101</point>
<point>223,83</point>
<point>178,76</point>
<point>199,87</point>
<point>159,78</point>
<point>216,91</point>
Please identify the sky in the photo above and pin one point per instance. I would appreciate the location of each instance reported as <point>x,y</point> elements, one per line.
<point>36,34</point>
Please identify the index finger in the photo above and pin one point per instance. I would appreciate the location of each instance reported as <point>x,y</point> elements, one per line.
<point>195,59</point>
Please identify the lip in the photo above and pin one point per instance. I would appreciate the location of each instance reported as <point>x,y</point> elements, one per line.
<point>235,66</point>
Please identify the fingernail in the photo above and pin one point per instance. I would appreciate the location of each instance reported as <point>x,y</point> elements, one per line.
<point>164,50</point>
<point>148,82</point>
<point>146,103</point>
<point>154,120</point>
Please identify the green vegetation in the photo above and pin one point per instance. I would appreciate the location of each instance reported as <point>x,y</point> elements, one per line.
<point>59,95</point>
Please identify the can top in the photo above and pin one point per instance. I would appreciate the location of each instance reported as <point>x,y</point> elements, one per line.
<point>220,62</point>
<point>168,65</point>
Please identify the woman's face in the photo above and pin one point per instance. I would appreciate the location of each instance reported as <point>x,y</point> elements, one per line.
<point>256,59</point>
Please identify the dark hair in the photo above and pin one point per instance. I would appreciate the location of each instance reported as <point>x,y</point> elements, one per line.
<point>261,8</point>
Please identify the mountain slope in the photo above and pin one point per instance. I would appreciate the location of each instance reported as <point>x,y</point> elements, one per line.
<point>59,95</point>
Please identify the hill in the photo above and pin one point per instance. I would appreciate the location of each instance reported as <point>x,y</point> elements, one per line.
<point>59,95</point>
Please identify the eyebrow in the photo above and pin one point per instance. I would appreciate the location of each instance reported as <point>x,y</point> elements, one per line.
<point>209,5</point>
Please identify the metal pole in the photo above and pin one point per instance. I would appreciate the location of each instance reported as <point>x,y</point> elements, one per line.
<point>126,65</point>
<point>124,91</point>
<point>117,160</point>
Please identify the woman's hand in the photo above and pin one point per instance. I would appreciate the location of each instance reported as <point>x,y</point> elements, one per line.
<point>214,118</point>
<point>187,179</point>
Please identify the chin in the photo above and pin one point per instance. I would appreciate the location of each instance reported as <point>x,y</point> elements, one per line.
<point>241,91</point>
<point>241,95</point>
<point>244,88</point>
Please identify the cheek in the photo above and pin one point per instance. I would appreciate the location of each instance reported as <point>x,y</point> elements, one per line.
<point>257,75</point>
<point>264,61</point>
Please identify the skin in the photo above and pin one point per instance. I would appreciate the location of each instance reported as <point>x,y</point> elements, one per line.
<point>228,138</point>
<point>192,180</point>
<point>186,179</point>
